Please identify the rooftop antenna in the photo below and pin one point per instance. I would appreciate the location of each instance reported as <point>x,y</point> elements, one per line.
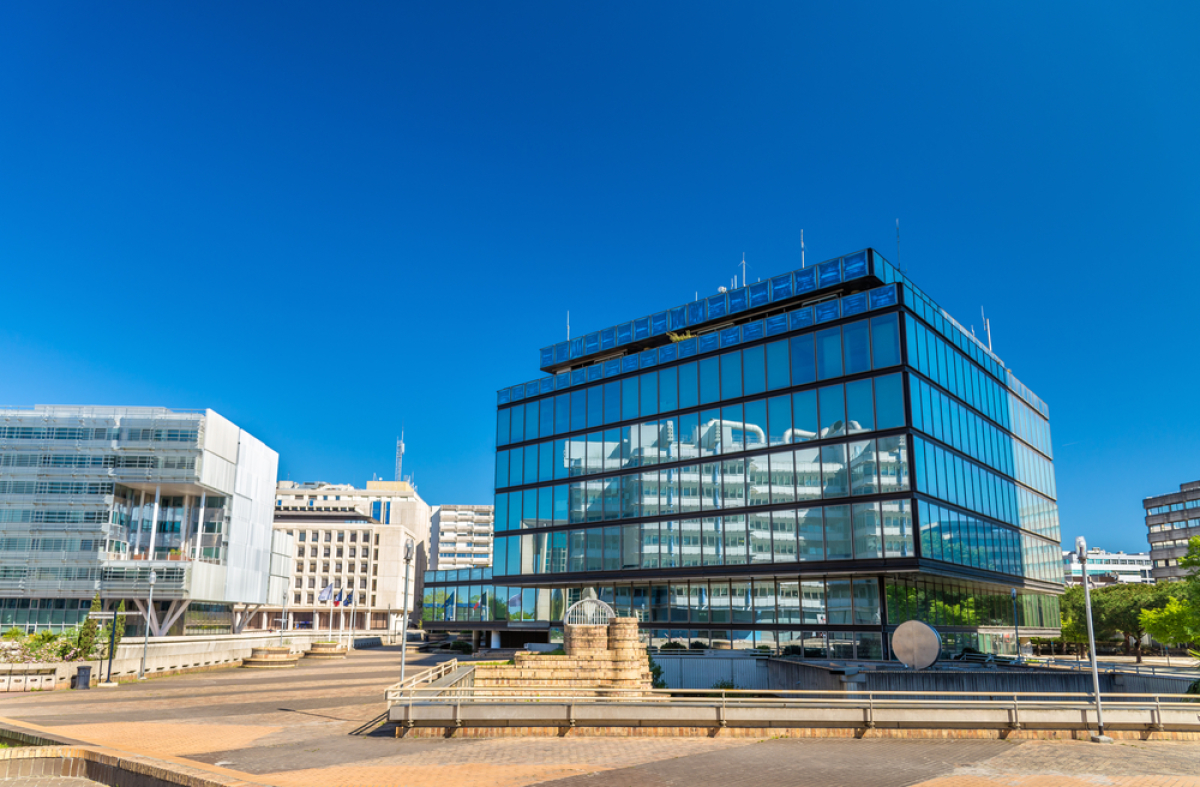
<point>801,248</point>
<point>745,281</point>
<point>898,245</point>
<point>987,327</point>
<point>400,455</point>
<point>568,325</point>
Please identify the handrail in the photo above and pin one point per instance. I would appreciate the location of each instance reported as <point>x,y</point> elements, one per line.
<point>1116,666</point>
<point>392,693</point>
<point>499,694</point>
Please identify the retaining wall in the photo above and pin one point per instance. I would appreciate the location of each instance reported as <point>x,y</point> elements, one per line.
<point>164,656</point>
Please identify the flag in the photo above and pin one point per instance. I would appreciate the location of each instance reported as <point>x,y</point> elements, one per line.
<point>349,598</point>
<point>337,600</point>
<point>449,601</point>
<point>326,593</point>
<point>515,599</point>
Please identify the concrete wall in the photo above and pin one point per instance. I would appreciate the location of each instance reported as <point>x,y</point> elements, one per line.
<point>166,655</point>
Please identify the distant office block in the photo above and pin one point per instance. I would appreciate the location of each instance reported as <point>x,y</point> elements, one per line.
<point>1108,568</point>
<point>92,499</point>
<point>1172,519</point>
<point>462,537</point>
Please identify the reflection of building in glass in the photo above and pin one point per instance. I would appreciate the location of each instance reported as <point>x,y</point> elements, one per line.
<point>825,449</point>
<point>94,498</point>
<point>1173,519</point>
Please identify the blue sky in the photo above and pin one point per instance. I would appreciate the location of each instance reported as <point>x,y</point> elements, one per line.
<point>326,222</point>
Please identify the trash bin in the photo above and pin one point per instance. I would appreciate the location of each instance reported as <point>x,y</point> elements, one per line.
<point>83,678</point>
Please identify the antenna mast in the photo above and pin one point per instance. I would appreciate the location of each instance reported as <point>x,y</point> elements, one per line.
<point>568,326</point>
<point>801,248</point>
<point>898,244</point>
<point>745,281</point>
<point>400,456</point>
<point>987,327</point>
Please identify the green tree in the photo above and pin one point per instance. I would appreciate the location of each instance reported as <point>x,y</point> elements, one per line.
<point>85,642</point>
<point>1121,606</point>
<point>1192,583</point>
<point>1174,624</point>
<point>119,622</point>
<point>1074,619</point>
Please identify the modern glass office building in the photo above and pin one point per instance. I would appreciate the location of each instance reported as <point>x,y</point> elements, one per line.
<point>810,460</point>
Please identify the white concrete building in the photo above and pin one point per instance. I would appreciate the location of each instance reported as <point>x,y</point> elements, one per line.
<point>462,537</point>
<point>93,499</point>
<point>1108,568</point>
<point>352,540</point>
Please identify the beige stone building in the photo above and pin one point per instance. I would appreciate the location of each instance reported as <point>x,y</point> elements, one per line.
<point>351,540</point>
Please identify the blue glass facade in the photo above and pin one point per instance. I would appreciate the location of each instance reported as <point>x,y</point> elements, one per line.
<point>831,426</point>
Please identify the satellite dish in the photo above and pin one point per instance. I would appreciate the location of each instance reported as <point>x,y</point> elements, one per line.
<point>916,644</point>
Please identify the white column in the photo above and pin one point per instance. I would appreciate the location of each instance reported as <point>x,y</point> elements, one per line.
<point>154,519</point>
<point>200,523</point>
<point>185,526</point>
<point>495,640</point>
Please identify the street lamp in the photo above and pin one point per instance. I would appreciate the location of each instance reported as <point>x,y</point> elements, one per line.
<point>149,610</point>
<point>1081,550</point>
<point>1016,624</point>
<point>283,615</point>
<point>409,548</point>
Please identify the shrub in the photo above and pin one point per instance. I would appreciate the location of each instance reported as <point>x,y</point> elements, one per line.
<point>725,684</point>
<point>673,645</point>
<point>697,645</point>
<point>656,678</point>
<point>14,634</point>
<point>793,650</point>
<point>458,646</point>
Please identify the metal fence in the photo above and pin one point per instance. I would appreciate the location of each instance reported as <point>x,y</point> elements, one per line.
<point>393,693</point>
<point>529,707</point>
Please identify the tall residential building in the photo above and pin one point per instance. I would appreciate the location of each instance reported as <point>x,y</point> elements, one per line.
<point>1172,519</point>
<point>807,461</point>
<point>462,537</point>
<point>92,499</point>
<point>352,539</point>
<point>1108,568</point>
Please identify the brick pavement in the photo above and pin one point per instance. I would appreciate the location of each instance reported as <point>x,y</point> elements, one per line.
<point>293,729</point>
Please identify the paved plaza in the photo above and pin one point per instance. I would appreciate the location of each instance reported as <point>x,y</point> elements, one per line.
<point>320,725</point>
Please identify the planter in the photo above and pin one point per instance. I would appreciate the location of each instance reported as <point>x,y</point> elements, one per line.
<point>326,650</point>
<point>271,658</point>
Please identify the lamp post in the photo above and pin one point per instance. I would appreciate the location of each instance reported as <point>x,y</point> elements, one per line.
<point>283,615</point>
<point>409,548</point>
<point>149,609</point>
<point>1016,624</point>
<point>1081,550</point>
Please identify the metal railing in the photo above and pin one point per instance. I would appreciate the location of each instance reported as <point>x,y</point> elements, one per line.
<point>485,706</point>
<point>393,693</point>
<point>1117,666</point>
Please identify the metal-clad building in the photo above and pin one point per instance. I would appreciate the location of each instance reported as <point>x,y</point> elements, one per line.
<point>92,499</point>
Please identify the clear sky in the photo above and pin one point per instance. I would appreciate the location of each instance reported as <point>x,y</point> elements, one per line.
<point>329,221</point>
